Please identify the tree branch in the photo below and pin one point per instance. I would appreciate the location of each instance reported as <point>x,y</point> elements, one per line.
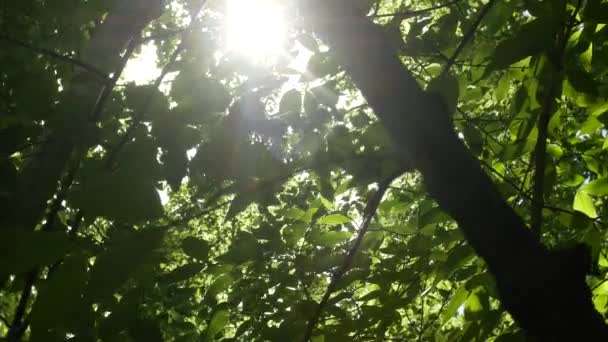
<point>414,13</point>
<point>19,324</point>
<point>469,35</point>
<point>368,214</point>
<point>540,150</point>
<point>424,135</point>
<point>102,75</point>
<point>139,116</point>
<point>16,327</point>
<point>39,177</point>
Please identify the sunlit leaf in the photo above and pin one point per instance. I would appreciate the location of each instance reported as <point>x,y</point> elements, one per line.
<point>330,239</point>
<point>598,187</point>
<point>458,298</point>
<point>584,203</point>
<point>334,219</point>
<point>476,304</point>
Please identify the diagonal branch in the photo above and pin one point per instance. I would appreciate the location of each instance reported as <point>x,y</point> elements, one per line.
<point>93,69</point>
<point>468,36</point>
<point>415,13</point>
<point>139,116</point>
<point>424,135</point>
<point>39,177</point>
<point>368,214</point>
<point>553,84</point>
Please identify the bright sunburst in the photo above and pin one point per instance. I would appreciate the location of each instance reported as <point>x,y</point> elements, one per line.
<point>255,28</point>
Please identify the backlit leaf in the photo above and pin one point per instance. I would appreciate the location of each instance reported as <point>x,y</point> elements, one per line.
<point>334,219</point>
<point>584,203</point>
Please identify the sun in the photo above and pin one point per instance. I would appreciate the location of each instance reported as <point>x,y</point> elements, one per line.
<point>255,28</point>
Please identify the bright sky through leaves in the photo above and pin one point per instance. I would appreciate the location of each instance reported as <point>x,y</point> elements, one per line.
<point>255,28</point>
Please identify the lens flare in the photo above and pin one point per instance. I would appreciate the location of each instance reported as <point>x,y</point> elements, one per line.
<point>255,28</point>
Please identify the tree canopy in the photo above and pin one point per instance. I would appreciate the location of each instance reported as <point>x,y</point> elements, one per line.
<point>395,170</point>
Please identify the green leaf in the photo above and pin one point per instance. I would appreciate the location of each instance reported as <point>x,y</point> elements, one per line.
<point>309,42</point>
<point>22,249</point>
<point>196,248</point>
<point>512,337</point>
<point>403,229</point>
<point>584,203</point>
<point>59,304</point>
<point>330,239</point>
<point>245,247</point>
<point>220,284</point>
<point>184,272</point>
<point>598,187</point>
<point>218,323</point>
<point>596,12</point>
<point>327,203</point>
<point>121,261</point>
<point>372,241</point>
<point>477,304</point>
<point>321,65</point>
<point>473,138</point>
<point>448,88</point>
<point>326,94</point>
<point>146,100</point>
<point>145,330</point>
<point>456,301</point>
<point>175,167</point>
<point>291,102</point>
<point>334,219</point>
<point>200,95</point>
<point>533,38</point>
<point>580,79</point>
<point>127,194</point>
<point>293,233</point>
<point>293,213</point>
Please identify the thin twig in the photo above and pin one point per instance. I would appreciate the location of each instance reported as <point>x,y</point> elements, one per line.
<point>5,321</point>
<point>414,13</point>
<point>468,36</point>
<point>56,55</point>
<point>540,150</point>
<point>19,324</point>
<point>139,115</point>
<point>368,214</point>
<point>111,84</point>
<point>17,328</point>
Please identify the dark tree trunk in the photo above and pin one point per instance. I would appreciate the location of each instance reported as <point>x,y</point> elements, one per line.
<point>544,291</point>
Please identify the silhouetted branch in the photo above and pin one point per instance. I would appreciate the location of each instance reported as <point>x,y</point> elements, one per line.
<point>139,115</point>
<point>55,55</point>
<point>414,13</point>
<point>368,214</point>
<point>540,150</point>
<point>469,35</point>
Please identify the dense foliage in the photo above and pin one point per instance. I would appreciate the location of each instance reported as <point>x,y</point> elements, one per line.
<point>232,199</point>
